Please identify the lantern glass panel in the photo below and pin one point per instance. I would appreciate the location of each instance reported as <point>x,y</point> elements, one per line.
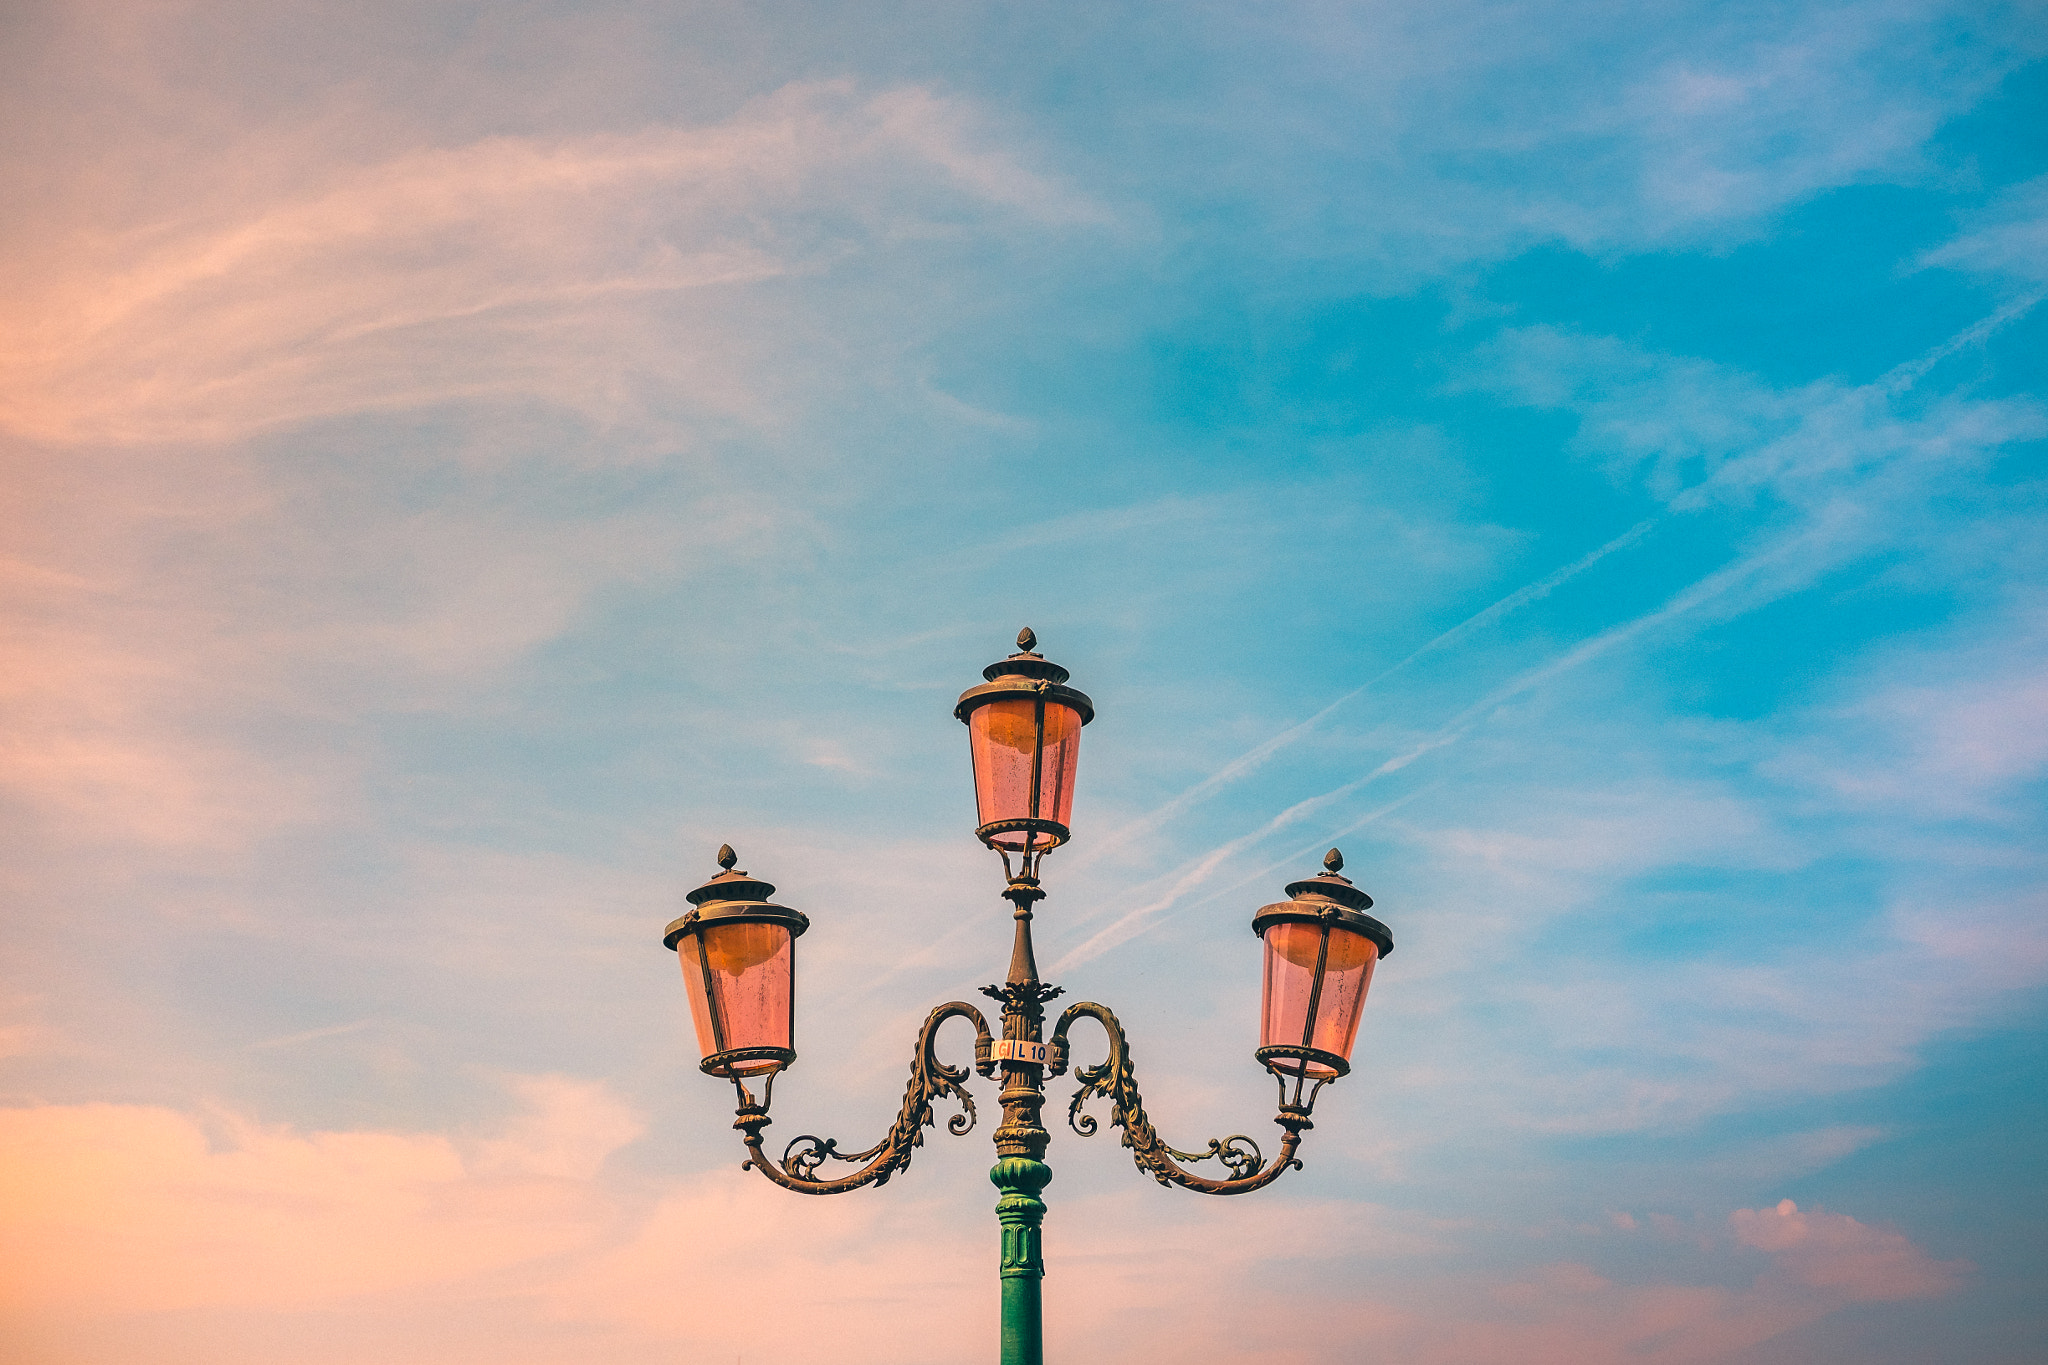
<point>1003,736</point>
<point>1292,947</point>
<point>740,977</point>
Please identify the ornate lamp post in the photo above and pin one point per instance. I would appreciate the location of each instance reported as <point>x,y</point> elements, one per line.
<point>737,950</point>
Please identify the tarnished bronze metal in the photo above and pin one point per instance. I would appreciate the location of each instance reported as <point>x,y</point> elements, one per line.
<point>1328,897</point>
<point>1029,673</point>
<point>1330,901</point>
<point>1115,1080</point>
<point>732,897</point>
<point>1026,674</point>
<point>1055,834</point>
<point>930,1080</point>
<point>1280,1052</point>
<point>1026,1058</point>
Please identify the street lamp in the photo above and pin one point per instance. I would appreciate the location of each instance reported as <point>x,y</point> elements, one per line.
<point>738,955</point>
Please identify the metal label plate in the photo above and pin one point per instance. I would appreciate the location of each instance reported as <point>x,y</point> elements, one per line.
<point>1014,1050</point>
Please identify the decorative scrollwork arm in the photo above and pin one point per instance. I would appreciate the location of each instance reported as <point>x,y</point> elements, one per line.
<point>930,1079</point>
<point>1114,1080</point>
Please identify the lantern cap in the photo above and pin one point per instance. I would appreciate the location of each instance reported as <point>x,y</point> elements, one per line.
<point>1027,662</point>
<point>733,895</point>
<point>1024,673</point>
<point>1331,896</point>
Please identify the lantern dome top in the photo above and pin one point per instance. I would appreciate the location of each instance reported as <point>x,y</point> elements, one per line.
<point>733,895</point>
<point>1027,662</point>
<point>1026,671</point>
<point>730,885</point>
<point>1332,885</point>
<point>1328,896</point>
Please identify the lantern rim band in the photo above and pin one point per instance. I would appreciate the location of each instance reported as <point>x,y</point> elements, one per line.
<point>734,912</point>
<point>1002,689</point>
<point>731,886</point>
<point>1057,832</point>
<point>721,1063</point>
<point>1274,1051</point>
<point>1329,887</point>
<point>1027,663</point>
<point>1328,912</point>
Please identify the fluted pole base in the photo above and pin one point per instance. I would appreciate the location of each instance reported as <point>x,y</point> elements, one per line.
<point>1021,1211</point>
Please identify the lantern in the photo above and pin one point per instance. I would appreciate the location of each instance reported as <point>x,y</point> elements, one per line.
<point>1024,729</point>
<point>1321,948</point>
<point>738,954</point>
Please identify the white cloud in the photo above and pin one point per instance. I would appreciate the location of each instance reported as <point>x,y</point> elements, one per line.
<point>2008,238</point>
<point>1947,732</point>
<point>1700,434</point>
<point>578,270</point>
<point>567,1130</point>
<point>1835,1253</point>
<point>1421,138</point>
<point>1771,115</point>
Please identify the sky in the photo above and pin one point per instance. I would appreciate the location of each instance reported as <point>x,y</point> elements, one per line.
<point>466,462</point>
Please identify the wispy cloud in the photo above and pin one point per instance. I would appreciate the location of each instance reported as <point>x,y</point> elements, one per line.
<point>1832,1251</point>
<point>465,465</point>
<point>1828,433</point>
<point>1187,879</point>
<point>2008,239</point>
<point>510,269</point>
<point>1249,762</point>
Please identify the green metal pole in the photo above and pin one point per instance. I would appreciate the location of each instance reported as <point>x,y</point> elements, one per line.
<point>1020,1212</point>
<point>1020,1171</point>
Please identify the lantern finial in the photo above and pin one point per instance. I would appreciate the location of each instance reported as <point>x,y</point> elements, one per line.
<point>1334,861</point>
<point>1026,640</point>
<point>726,857</point>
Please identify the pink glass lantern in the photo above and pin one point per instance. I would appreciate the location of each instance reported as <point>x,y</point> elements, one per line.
<point>1321,948</point>
<point>1024,732</point>
<point>738,954</point>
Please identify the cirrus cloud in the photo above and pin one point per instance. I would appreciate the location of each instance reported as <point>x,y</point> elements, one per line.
<point>569,269</point>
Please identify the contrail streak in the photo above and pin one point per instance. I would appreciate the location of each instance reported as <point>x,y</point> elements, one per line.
<point>1902,377</point>
<point>1134,922</point>
<point>1251,760</point>
<point>1297,858</point>
<point>1722,580</point>
<point>1193,874</point>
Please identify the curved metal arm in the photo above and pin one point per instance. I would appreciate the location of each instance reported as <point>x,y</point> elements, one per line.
<point>1113,1078</point>
<point>930,1079</point>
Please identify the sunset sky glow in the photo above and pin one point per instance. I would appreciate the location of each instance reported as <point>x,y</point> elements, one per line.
<point>464,463</point>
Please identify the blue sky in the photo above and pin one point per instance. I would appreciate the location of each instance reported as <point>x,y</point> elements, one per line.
<point>466,463</point>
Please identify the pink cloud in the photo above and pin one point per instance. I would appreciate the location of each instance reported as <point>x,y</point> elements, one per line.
<point>129,1209</point>
<point>1835,1253</point>
<point>162,622</point>
<point>126,1223</point>
<point>1569,1313</point>
<point>510,268</point>
<point>152,606</point>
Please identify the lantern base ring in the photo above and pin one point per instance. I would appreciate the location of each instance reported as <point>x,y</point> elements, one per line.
<point>736,1062</point>
<point>1293,1059</point>
<point>1051,834</point>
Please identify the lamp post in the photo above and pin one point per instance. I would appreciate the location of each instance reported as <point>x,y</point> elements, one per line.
<point>737,950</point>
